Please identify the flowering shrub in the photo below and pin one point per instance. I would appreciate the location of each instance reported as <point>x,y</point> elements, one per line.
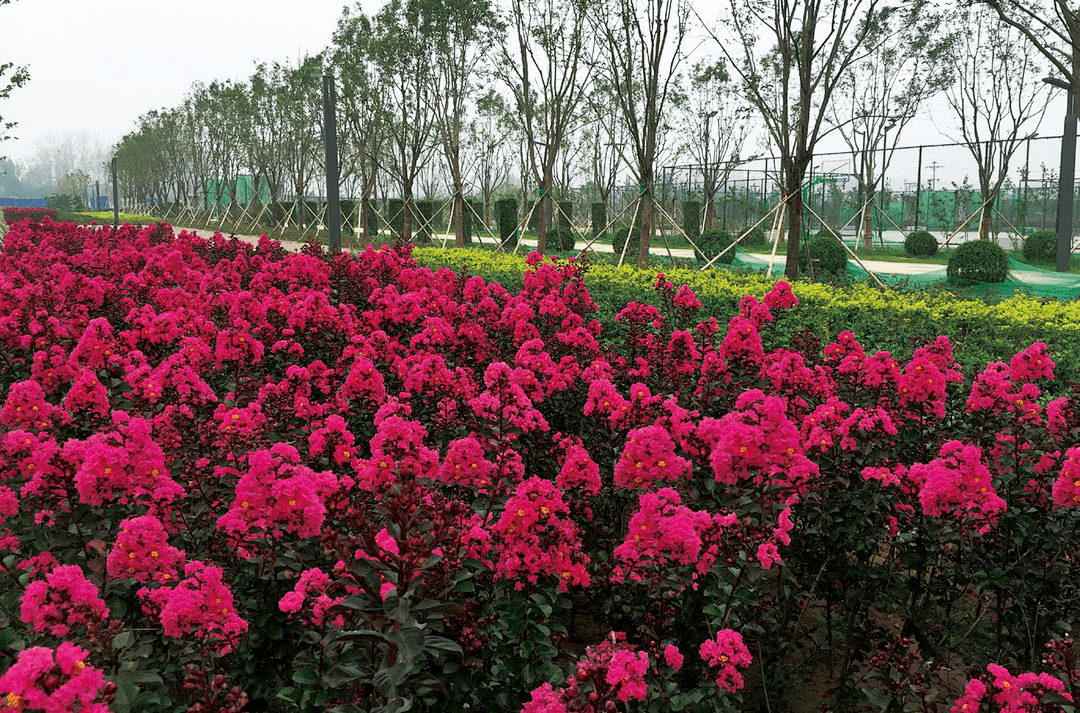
<point>14,214</point>
<point>231,476</point>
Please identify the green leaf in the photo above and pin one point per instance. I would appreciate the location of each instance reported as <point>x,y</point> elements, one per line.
<point>441,643</point>
<point>305,676</point>
<point>123,640</point>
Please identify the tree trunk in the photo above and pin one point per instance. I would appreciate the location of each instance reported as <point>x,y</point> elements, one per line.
<point>365,216</point>
<point>459,223</point>
<point>986,218</point>
<point>646,228</point>
<point>794,212</point>
<point>541,220</point>
<point>868,219</point>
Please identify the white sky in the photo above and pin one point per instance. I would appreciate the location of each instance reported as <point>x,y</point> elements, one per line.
<point>97,65</point>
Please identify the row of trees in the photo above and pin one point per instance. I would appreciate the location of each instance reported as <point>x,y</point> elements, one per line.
<point>563,92</point>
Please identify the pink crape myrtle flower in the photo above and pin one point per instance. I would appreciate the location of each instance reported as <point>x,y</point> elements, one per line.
<point>54,681</point>
<point>727,654</point>
<point>277,495</point>
<point>649,456</point>
<point>1066,491</point>
<point>310,594</point>
<point>662,531</point>
<point>672,657</point>
<point>535,537</point>
<point>26,407</point>
<point>142,552</point>
<point>201,604</point>
<point>1031,364</point>
<point>958,483</point>
<point>64,600</point>
<point>781,296</point>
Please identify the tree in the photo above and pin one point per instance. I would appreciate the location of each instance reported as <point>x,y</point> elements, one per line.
<point>605,135</point>
<point>1051,26</point>
<point>404,64</point>
<point>458,32</point>
<point>911,61</point>
<point>18,76</point>
<point>810,46</point>
<point>546,64</point>
<point>997,98</point>
<point>716,128</point>
<point>487,145</point>
<point>365,120</point>
<point>643,41</point>
<point>74,186</point>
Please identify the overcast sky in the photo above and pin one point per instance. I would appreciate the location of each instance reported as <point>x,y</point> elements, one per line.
<point>97,65</point>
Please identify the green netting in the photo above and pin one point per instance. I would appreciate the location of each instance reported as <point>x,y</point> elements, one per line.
<point>1042,283</point>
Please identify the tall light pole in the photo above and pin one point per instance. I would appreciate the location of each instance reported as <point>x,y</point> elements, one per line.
<point>1067,176</point>
<point>116,196</point>
<point>333,202</point>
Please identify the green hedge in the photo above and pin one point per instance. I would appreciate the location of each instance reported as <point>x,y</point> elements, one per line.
<point>920,243</point>
<point>824,254</point>
<point>978,261</point>
<point>691,220</point>
<point>713,242</point>
<point>506,215</point>
<point>981,332</point>
<point>422,221</point>
<point>566,214</point>
<point>598,213</point>
<point>1041,246</point>
<point>395,213</point>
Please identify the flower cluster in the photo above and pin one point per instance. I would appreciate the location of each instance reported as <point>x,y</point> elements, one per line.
<point>1010,693</point>
<point>1067,487</point>
<point>727,654</point>
<point>612,672</point>
<point>142,552</point>
<point>310,595</point>
<point>649,456</point>
<point>277,495</point>
<point>958,483</point>
<point>757,440</point>
<point>55,680</point>
<point>536,537</point>
<point>662,530</point>
<point>64,600</point>
<point>200,604</point>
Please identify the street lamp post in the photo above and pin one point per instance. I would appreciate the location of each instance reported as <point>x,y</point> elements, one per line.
<point>333,199</point>
<point>116,197</point>
<point>1066,177</point>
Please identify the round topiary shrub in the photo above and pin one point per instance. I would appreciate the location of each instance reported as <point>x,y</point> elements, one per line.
<point>978,261</point>
<point>825,255</point>
<point>712,243</point>
<point>618,240</point>
<point>561,238</point>
<point>1041,245</point>
<point>920,243</point>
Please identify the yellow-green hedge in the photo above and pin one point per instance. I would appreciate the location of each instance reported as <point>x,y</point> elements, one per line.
<point>107,217</point>
<point>893,321</point>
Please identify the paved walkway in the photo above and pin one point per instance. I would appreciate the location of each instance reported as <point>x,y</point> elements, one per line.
<point>754,259</point>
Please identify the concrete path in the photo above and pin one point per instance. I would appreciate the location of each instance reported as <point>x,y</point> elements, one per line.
<point>754,259</point>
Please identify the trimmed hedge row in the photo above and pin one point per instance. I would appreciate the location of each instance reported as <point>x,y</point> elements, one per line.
<point>895,321</point>
<point>13,214</point>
